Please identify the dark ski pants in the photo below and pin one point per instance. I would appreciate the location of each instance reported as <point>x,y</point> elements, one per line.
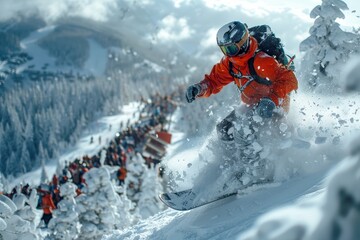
<point>46,218</point>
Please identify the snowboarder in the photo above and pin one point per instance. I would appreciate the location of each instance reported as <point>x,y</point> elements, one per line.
<point>264,84</point>
<point>247,148</point>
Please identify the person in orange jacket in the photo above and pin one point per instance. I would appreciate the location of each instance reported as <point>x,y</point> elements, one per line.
<point>262,98</point>
<point>48,206</point>
<point>122,172</point>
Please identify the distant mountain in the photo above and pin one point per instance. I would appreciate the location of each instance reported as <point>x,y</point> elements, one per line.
<point>55,79</point>
<point>79,46</point>
<point>13,31</point>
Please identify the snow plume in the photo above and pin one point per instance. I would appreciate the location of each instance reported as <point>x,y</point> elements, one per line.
<point>99,10</point>
<point>309,139</point>
<point>262,152</point>
<point>350,76</point>
<point>334,215</point>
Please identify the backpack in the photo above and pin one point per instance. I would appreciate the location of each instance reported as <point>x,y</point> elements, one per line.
<point>269,44</point>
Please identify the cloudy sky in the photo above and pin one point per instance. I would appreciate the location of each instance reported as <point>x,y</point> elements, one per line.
<point>189,24</point>
<point>289,19</point>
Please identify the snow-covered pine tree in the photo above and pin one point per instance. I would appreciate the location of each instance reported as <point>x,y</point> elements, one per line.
<point>36,112</point>
<point>29,139</point>
<point>7,209</point>
<point>12,226</point>
<point>26,208</point>
<point>136,167</point>
<point>44,178</point>
<point>327,48</point>
<point>65,223</point>
<point>149,203</point>
<point>102,157</point>
<point>59,168</point>
<point>2,148</point>
<point>24,160</point>
<point>100,208</point>
<point>2,178</point>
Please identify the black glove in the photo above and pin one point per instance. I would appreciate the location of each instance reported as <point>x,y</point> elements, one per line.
<point>192,92</point>
<point>265,108</point>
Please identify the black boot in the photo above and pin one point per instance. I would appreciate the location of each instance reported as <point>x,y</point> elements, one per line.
<point>224,126</point>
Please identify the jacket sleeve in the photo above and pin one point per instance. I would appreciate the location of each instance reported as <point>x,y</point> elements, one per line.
<point>283,80</point>
<point>217,79</point>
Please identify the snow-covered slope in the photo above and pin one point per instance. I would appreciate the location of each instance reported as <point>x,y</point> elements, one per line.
<point>231,217</point>
<point>332,215</point>
<point>227,218</point>
<point>30,45</point>
<point>326,123</point>
<point>101,131</point>
<point>95,63</point>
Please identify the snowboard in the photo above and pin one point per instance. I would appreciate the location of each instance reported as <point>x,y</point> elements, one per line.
<point>187,199</point>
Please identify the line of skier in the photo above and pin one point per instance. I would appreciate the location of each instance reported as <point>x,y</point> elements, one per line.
<point>126,144</point>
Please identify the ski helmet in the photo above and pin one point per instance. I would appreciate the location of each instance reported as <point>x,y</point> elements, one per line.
<point>233,38</point>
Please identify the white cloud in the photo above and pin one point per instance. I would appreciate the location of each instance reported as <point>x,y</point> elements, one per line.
<point>221,5</point>
<point>209,39</point>
<point>140,2</point>
<point>248,7</point>
<point>178,3</point>
<point>172,29</point>
<point>99,10</point>
<point>263,8</point>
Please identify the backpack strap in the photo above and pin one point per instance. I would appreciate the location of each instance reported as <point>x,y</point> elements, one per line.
<point>231,72</point>
<point>252,71</point>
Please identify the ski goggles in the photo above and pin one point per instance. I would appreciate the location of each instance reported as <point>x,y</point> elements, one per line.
<point>239,48</point>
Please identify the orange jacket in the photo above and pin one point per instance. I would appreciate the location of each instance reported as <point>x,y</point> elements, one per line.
<point>122,173</point>
<point>283,80</point>
<point>47,203</point>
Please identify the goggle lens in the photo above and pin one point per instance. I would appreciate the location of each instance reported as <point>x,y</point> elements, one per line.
<point>234,49</point>
<point>230,50</point>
